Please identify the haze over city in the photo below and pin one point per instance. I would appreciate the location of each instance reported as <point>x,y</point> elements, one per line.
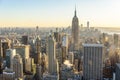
<point>59,40</point>
<point>58,13</point>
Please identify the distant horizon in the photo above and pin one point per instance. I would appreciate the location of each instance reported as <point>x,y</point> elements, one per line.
<point>54,27</point>
<point>59,13</point>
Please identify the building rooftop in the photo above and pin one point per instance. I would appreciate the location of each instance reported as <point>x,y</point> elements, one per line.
<point>8,71</point>
<point>92,45</point>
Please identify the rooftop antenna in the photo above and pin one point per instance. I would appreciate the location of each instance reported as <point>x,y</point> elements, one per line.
<point>75,10</point>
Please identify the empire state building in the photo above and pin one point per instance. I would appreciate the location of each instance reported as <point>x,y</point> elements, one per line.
<point>75,31</point>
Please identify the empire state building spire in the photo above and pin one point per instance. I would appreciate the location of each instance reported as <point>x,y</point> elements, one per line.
<point>75,11</point>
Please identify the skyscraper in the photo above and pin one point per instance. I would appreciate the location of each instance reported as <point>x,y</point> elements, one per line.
<point>51,51</point>
<point>37,31</point>
<point>117,74</point>
<point>92,63</point>
<point>25,39</point>
<point>18,66</point>
<point>88,26</point>
<point>10,53</point>
<point>1,58</point>
<point>23,50</point>
<point>1,50</point>
<point>1,65</point>
<point>8,74</point>
<point>116,40</point>
<point>39,72</point>
<point>57,35</point>
<point>64,47</point>
<point>5,46</point>
<point>38,50</point>
<point>75,31</point>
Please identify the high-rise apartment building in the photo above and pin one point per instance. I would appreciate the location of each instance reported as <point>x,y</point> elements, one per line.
<point>92,62</point>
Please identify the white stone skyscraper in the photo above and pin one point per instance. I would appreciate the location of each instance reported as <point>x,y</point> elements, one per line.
<point>51,51</point>
<point>92,62</point>
<point>75,31</point>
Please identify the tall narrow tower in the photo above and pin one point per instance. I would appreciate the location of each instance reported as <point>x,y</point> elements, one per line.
<point>1,51</point>
<point>37,30</point>
<point>88,26</point>
<point>75,31</point>
<point>51,51</point>
<point>38,50</point>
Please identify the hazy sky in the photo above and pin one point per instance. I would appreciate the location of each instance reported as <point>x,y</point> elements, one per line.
<point>59,13</point>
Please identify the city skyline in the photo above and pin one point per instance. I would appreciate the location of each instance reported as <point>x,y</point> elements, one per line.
<point>54,13</point>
